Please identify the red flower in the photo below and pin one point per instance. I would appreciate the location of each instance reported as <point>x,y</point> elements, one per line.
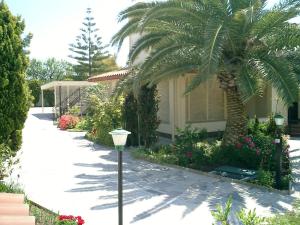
<point>67,122</point>
<point>71,218</point>
<point>239,145</point>
<point>189,154</point>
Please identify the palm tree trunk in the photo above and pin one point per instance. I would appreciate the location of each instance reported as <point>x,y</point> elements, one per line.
<point>236,117</point>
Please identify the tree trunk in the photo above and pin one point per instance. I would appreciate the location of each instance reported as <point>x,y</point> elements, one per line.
<point>236,117</point>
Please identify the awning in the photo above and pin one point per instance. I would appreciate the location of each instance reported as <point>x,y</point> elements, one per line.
<point>51,85</point>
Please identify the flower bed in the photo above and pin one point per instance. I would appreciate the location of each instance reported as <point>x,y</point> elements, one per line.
<point>255,151</point>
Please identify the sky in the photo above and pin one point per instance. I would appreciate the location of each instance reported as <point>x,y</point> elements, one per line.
<point>56,23</point>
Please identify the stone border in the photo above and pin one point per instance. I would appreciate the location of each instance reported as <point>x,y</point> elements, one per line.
<point>284,192</point>
<point>41,207</point>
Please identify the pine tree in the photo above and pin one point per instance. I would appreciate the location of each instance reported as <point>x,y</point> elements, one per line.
<point>14,94</point>
<point>89,51</point>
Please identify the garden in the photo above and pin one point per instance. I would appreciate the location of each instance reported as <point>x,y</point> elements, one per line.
<point>255,151</point>
<point>193,148</point>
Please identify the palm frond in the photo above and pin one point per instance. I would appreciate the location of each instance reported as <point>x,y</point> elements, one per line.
<point>128,29</point>
<point>137,10</point>
<point>213,50</point>
<point>173,9</point>
<point>272,21</point>
<point>249,82</point>
<point>278,72</point>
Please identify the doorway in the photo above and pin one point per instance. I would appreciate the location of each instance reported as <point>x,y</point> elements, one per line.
<point>293,113</point>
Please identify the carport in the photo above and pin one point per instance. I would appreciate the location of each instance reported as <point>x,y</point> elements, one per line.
<point>66,93</point>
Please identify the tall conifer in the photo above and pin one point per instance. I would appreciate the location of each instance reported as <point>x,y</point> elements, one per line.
<point>14,94</point>
<point>88,49</point>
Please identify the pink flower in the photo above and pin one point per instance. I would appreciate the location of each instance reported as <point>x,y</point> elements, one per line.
<point>247,139</point>
<point>257,151</point>
<point>252,145</point>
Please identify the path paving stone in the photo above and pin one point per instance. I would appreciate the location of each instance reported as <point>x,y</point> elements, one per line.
<point>67,173</point>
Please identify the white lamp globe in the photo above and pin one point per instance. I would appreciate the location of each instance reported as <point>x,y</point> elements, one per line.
<point>279,120</point>
<point>119,136</point>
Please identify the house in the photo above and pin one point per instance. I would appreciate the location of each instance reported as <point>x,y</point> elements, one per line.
<point>204,107</point>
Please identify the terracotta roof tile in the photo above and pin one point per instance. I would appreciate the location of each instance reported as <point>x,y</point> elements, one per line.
<point>113,75</point>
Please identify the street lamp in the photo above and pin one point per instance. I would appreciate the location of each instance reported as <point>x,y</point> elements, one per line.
<point>119,137</point>
<point>279,120</point>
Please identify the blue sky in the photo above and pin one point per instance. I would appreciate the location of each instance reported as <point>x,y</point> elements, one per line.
<point>56,23</point>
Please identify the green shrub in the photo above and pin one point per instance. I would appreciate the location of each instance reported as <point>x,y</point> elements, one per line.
<point>74,111</point>
<point>35,90</point>
<point>221,215</point>
<point>130,117</point>
<point>265,178</point>
<point>160,154</point>
<point>250,217</point>
<point>6,161</point>
<point>147,110</point>
<point>15,98</point>
<point>84,124</point>
<point>187,138</point>
<point>189,150</point>
<point>140,116</point>
<point>105,114</point>
<point>108,118</point>
<point>9,188</point>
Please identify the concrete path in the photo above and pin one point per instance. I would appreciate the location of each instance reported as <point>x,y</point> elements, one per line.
<point>295,163</point>
<point>64,172</point>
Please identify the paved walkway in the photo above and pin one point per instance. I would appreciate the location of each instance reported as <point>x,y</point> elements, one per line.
<point>64,172</point>
<point>295,163</point>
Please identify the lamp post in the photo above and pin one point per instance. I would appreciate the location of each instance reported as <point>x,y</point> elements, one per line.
<point>279,120</point>
<point>119,137</point>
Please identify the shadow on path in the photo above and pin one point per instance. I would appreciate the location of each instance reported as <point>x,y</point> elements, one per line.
<point>44,116</point>
<point>145,181</point>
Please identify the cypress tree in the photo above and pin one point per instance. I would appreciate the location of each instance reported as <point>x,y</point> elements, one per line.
<point>14,94</point>
<point>140,116</point>
<point>89,51</point>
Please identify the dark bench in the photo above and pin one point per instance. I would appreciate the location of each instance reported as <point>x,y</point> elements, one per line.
<point>235,173</point>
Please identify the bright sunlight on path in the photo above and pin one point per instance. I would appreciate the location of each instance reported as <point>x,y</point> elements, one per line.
<point>64,172</point>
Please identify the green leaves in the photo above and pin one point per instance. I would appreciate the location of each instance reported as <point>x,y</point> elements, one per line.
<point>14,94</point>
<point>279,72</point>
<point>255,46</point>
<point>222,214</point>
<point>88,50</point>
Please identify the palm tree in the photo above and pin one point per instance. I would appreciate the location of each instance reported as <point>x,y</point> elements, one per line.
<point>246,45</point>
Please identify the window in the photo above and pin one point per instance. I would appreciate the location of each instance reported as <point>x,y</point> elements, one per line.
<point>164,104</point>
<point>206,103</point>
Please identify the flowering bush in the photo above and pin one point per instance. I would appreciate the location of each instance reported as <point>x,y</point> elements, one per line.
<point>69,220</point>
<point>68,122</point>
<point>246,153</point>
